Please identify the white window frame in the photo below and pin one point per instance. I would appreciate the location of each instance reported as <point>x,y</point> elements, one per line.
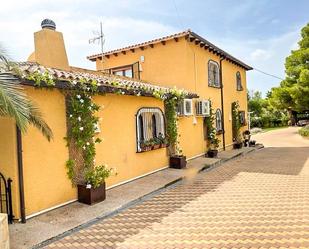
<point>160,124</point>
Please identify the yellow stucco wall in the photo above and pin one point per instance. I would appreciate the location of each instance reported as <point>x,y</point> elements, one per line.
<point>45,180</point>
<point>8,157</point>
<point>50,49</point>
<point>185,65</point>
<point>118,131</point>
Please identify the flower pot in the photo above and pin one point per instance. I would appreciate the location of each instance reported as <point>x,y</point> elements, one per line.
<point>237,145</point>
<point>178,162</point>
<point>147,148</point>
<point>212,153</point>
<point>156,146</point>
<point>91,195</point>
<point>252,143</point>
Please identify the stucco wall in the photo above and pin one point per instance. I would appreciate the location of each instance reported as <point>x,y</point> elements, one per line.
<point>46,182</point>
<point>185,65</point>
<point>45,179</point>
<point>8,157</point>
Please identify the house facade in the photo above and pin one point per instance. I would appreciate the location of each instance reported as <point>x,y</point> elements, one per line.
<point>186,60</point>
<point>130,113</point>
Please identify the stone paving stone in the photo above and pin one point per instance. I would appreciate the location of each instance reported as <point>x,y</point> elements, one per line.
<point>260,201</point>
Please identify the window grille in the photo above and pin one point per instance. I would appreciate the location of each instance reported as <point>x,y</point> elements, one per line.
<point>150,124</point>
<point>213,74</point>
<point>242,117</point>
<point>218,120</point>
<point>238,82</point>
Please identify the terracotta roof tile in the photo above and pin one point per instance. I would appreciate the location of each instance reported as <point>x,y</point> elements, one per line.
<point>103,79</point>
<point>190,35</point>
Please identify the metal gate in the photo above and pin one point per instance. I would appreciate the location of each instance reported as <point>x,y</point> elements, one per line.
<point>6,197</point>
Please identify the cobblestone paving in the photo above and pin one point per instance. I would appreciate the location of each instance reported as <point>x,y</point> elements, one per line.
<point>258,201</point>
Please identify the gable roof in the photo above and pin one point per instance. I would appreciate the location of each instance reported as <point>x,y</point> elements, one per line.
<point>31,72</point>
<point>190,36</point>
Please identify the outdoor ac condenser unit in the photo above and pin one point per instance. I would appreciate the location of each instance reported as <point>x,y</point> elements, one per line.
<point>203,108</point>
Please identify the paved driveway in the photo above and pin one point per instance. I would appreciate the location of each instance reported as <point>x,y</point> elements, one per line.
<point>258,201</point>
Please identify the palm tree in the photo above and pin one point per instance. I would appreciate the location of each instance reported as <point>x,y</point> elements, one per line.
<point>14,102</point>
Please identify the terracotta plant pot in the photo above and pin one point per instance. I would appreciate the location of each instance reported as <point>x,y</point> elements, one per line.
<point>156,146</point>
<point>91,195</point>
<point>178,162</point>
<point>212,153</point>
<point>147,148</point>
<point>237,145</point>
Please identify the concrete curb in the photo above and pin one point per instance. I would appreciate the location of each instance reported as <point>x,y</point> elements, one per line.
<point>140,199</point>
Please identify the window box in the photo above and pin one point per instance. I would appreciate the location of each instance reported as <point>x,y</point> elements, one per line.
<point>91,196</point>
<point>178,162</point>
<point>153,147</point>
<point>219,132</point>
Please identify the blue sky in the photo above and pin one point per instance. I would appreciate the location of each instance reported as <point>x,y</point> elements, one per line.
<point>261,33</point>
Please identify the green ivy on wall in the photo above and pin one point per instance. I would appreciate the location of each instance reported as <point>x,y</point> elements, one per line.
<point>212,139</point>
<point>82,120</point>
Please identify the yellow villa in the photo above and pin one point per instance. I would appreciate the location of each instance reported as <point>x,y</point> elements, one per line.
<point>186,60</point>
<point>128,82</point>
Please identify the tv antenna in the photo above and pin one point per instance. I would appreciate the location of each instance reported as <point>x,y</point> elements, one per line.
<point>99,39</point>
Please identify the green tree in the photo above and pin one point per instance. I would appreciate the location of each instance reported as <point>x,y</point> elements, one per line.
<point>293,92</point>
<point>256,103</point>
<point>14,102</point>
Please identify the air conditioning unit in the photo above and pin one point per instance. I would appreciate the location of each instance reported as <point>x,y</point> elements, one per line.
<point>203,108</point>
<point>185,108</point>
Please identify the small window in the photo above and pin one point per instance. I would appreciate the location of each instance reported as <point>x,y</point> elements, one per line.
<point>242,118</point>
<point>218,120</point>
<point>150,126</point>
<point>126,71</point>
<point>238,82</point>
<point>213,74</point>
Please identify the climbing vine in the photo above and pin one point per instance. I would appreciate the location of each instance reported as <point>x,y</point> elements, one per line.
<point>212,139</point>
<point>172,129</point>
<point>82,120</point>
<point>236,122</point>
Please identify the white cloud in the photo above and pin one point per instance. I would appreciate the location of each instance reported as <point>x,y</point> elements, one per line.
<point>76,25</point>
<point>260,54</point>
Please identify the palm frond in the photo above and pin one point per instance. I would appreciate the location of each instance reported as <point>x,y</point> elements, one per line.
<point>36,119</point>
<point>13,101</point>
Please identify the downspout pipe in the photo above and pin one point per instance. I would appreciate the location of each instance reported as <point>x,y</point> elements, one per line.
<point>222,103</point>
<point>20,175</point>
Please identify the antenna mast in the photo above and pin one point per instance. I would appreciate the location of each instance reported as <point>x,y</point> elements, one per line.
<point>101,40</point>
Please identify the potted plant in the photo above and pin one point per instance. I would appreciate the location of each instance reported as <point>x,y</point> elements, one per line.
<point>93,189</point>
<point>212,139</point>
<point>156,143</point>
<point>238,142</point>
<point>177,159</point>
<point>237,139</point>
<point>162,140</point>
<point>81,141</point>
<point>146,145</point>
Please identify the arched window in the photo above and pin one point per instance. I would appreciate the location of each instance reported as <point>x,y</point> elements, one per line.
<point>149,126</point>
<point>218,120</point>
<point>213,74</point>
<point>238,82</point>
